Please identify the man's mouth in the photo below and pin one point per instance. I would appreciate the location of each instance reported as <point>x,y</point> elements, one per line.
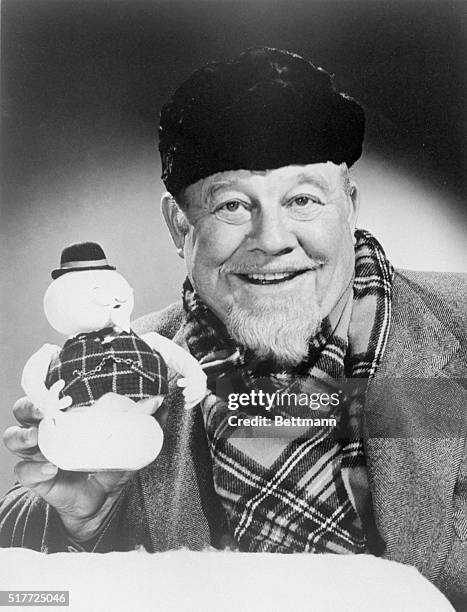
<point>270,278</point>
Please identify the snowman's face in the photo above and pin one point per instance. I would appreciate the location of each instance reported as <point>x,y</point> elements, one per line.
<point>88,300</point>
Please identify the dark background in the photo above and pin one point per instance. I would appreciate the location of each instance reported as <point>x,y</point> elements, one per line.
<point>83,82</point>
<point>76,71</point>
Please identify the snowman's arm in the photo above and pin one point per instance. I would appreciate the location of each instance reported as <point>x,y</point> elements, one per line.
<point>175,356</point>
<point>193,378</point>
<point>33,380</point>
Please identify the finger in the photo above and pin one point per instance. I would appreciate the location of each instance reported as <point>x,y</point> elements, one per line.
<point>32,454</point>
<point>31,473</point>
<point>22,441</point>
<point>19,439</point>
<point>25,412</point>
<point>182,382</point>
<point>111,481</point>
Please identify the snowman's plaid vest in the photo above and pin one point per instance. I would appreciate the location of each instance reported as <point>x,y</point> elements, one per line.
<point>91,367</point>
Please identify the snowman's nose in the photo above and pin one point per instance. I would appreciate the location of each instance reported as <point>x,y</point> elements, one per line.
<point>118,302</point>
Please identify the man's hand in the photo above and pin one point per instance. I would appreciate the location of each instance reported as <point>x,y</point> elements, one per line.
<point>81,499</point>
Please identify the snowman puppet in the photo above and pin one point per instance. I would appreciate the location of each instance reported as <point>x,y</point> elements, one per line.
<point>98,392</point>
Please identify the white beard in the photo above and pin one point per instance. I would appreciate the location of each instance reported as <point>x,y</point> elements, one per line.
<point>276,329</point>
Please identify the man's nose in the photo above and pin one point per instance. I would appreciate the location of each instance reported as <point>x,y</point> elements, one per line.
<point>271,233</point>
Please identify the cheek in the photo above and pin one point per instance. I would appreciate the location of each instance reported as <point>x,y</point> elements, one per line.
<point>329,239</point>
<point>324,237</point>
<point>211,244</point>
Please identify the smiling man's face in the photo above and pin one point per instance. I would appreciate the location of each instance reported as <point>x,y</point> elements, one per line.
<point>269,252</point>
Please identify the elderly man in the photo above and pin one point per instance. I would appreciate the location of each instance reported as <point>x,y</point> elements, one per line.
<point>283,298</point>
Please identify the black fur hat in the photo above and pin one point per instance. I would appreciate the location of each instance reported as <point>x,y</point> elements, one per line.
<point>265,109</point>
<point>82,256</point>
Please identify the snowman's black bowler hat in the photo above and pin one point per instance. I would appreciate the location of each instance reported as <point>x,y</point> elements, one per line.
<point>82,256</point>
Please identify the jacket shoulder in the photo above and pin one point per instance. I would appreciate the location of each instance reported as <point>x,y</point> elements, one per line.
<point>166,322</point>
<point>450,285</point>
<point>444,293</point>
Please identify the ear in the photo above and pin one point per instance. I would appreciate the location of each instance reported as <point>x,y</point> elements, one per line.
<point>175,220</point>
<point>354,205</point>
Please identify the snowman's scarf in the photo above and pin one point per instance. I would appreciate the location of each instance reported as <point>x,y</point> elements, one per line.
<point>285,492</point>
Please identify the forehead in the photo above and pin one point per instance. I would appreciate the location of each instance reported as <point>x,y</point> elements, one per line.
<point>325,176</point>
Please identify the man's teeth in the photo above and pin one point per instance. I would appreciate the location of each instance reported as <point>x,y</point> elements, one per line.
<point>272,276</point>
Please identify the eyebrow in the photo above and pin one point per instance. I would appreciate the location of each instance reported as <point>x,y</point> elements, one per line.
<point>318,181</point>
<point>300,179</point>
<point>217,186</point>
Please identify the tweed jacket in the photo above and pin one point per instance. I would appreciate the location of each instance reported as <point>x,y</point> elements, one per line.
<point>415,445</point>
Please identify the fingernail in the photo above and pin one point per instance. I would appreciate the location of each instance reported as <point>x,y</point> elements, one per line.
<point>38,414</point>
<point>49,469</point>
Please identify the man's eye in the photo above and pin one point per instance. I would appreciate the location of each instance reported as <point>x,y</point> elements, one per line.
<point>302,201</point>
<point>232,206</point>
<point>304,206</point>
<point>233,211</point>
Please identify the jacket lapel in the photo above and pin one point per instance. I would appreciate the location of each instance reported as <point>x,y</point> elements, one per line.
<point>182,508</point>
<point>415,433</point>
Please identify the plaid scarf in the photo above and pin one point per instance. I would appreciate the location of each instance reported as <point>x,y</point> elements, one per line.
<point>288,489</point>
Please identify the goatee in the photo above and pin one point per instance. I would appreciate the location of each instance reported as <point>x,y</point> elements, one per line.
<point>279,330</point>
